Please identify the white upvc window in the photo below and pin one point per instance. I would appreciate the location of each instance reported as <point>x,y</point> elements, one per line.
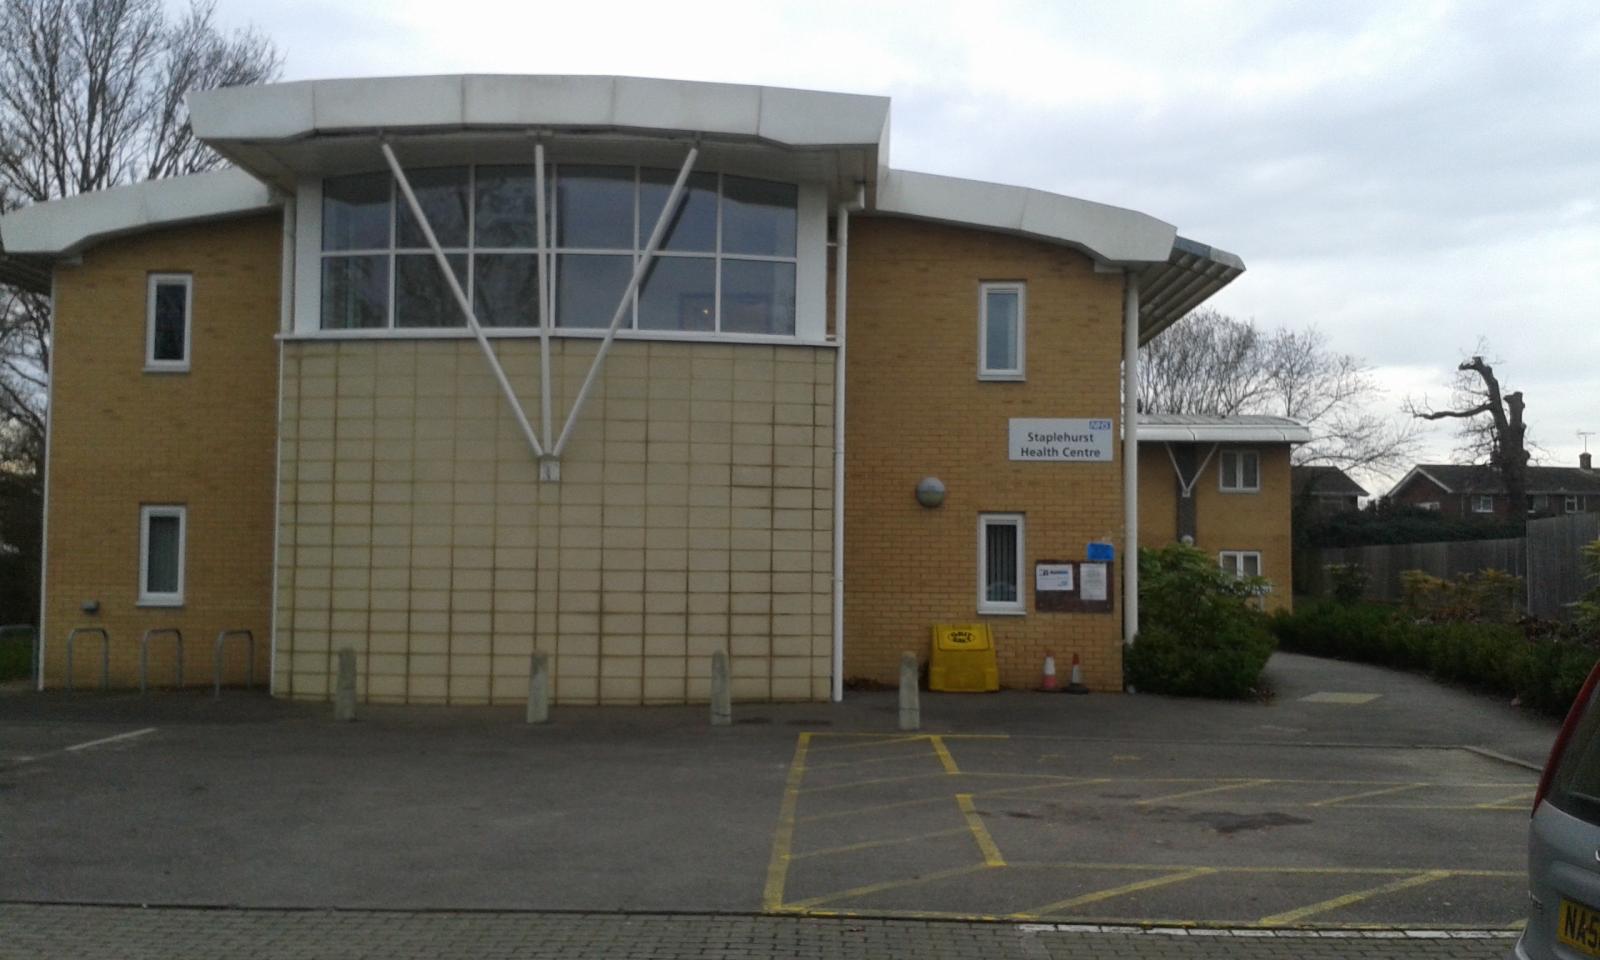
<point>1430,505</point>
<point>1240,471</point>
<point>1000,552</point>
<point>169,308</point>
<point>162,535</point>
<point>1569,503</point>
<point>1483,503</point>
<point>1241,563</point>
<point>1002,330</point>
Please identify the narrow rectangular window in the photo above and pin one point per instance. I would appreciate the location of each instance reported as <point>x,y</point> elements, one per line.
<point>161,549</point>
<point>1483,504</point>
<point>167,322</point>
<point>1241,471</point>
<point>1000,585</point>
<point>1002,326</point>
<point>1570,503</point>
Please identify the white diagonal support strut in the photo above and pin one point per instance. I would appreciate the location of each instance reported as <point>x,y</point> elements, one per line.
<point>639,270</point>
<point>462,302</point>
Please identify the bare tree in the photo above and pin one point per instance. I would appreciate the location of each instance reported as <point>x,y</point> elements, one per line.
<point>1211,363</point>
<point>91,96</point>
<point>1499,439</point>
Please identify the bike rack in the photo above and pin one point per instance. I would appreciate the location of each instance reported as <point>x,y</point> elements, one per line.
<point>33,647</point>
<point>105,655</point>
<point>249,665</point>
<point>144,654</point>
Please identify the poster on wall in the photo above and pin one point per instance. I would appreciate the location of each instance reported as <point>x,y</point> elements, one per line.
<point>1052,576</point>
<point>1094,582</point>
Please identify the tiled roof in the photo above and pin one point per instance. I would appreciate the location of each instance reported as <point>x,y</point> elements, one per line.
<point>1471,478</point>
<point>1326,481</point>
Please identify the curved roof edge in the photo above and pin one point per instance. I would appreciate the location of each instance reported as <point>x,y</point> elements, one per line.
<point>1113,234</point>
<point>779,115</point>
<point>67,226</point>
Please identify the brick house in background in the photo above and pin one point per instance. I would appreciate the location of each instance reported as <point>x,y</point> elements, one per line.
<point>1465,491</point>
<point>1329,489</point>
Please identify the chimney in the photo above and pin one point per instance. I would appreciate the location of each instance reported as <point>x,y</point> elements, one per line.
<point>1584,462</point>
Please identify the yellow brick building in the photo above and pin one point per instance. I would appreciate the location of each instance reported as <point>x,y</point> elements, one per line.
<point>452,370</point>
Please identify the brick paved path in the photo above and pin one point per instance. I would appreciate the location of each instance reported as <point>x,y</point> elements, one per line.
<point>133,933</point>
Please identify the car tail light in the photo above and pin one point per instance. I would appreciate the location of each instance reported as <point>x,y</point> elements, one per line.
<point>1580,706</point>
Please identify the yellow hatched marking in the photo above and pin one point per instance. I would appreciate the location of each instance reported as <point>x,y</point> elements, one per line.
<point>1382,791</point>
<point>874,844</point>
<point>1394,886</point>
<point>858,744</point>
<point>845,764</point>
<point>1520,799</point>
<point>835,787</point>
<point>1054,785</point>
<point>980,833</point>
<point>872,888</point>
<point>783,838</point>
<point>1107,894</point>
<point>944,755</point>
<point>1237,785</point>
<point>1329,871</point>
<point>875,808</point>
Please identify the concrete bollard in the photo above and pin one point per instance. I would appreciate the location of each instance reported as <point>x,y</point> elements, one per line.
<point>910,702</point>
<point>539,689</point>
<point>721,692</point>
<point>344,695</point>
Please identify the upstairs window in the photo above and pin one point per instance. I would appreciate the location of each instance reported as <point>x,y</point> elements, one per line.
<point>1241,563</point>
<point>167,322</point>
<point>1001,330</point>
<point>1000,587</point>
<point>161,548</point>
<point>1241,471</point>
<point>727,263</point>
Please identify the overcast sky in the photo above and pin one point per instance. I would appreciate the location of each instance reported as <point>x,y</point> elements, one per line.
<point>1406,176</point>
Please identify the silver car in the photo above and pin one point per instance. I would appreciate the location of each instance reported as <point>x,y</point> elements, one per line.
<point>1564,842</point>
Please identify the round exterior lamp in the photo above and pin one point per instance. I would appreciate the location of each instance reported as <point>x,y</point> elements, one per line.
<point>930,492</point>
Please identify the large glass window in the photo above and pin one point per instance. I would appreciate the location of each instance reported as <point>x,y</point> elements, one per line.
<point>727,261</point>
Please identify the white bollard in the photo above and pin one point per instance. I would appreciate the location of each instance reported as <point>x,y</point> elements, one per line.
<point>344,695</point>
<point>539,689</point>
<point>721,693</point>
<point>910,703</point>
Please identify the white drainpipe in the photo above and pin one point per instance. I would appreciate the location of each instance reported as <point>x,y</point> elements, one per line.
<point>841,290</point>
<point>1130,457</point>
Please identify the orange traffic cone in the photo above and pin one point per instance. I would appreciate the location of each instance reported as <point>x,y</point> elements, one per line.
<point>1075,685</point>
<point>1049,683</point>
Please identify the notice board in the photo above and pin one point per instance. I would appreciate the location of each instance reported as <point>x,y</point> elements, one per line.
<point>1073,586</point>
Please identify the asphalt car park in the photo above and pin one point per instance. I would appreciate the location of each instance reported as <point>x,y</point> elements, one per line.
<point>1355,798</point>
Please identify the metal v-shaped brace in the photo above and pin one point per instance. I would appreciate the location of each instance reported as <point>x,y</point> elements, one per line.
<point>549,461</point>
<point>1188,483</point>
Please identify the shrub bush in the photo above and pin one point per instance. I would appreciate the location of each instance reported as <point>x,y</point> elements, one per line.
<point>1347,581</point>
<point>1199,635</point>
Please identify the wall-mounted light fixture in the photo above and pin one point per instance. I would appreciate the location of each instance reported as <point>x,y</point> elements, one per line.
<point>930,492</point>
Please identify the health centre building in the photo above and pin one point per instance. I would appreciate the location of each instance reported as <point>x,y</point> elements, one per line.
<point>449,370</point>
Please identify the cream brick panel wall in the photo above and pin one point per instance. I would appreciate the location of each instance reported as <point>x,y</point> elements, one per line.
<point>693,515</point>
<point>915,408</point>
<point>121,438</point>
<point>1225,521</point>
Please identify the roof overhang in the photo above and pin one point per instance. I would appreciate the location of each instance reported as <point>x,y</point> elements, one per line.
<point>1192,273</point>
<point>30,273</point>
<point>284,131</point>
<point>1223,430</point>
<point>65,227</point>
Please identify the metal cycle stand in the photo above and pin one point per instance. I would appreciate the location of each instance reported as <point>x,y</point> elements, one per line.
<point>105,655</point>
<point>216,660</point>
<point>144,655</point>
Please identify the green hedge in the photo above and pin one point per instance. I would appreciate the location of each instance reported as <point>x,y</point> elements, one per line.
<point>1543,667</point>
<point>1199,632</point>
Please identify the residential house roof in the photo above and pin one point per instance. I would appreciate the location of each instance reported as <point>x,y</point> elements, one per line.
<point>1322,480</point>
<point>1477,478</point>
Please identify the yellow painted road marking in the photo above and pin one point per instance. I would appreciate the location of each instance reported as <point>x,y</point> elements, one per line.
<point>1237,785</point>
<point>1107,894</point>
<point>1057,784</point>
<point>834,787</point>
<point>1508,933</point>
<point>872,888</point>
<point>1521,799</point>
<point>1395,886</point>
<point>874,844</point>
<point>980,833</point>
<point>875,808</point>
<point>844,764</point>
<point>1329,871</point>
<point>1382,791</point>
<point>783,838</point>
<point>944,755</point>
<point>858,744</point>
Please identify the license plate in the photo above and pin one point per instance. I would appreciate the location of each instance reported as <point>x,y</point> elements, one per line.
<point>1579,927</point>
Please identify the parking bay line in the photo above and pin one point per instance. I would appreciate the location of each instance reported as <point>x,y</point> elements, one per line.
<point>948,761</point>
<point>875,844</point>
<point>783,838</point>
<point>1098,895</point>
<point>980,833</point>
<point>1334,903</point>
<point>1239,785</point>
<point>112,739</point>
<point>1368,793</point>
<point>871,888</point>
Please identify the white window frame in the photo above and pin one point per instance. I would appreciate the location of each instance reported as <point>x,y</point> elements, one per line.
<point>986,372</point>
<point>186,281</point>
<point>1478,501</point>
<point>1222,471</point>
<point>1430,505</point>
<point>1233,562</point>
<point>1019,606</point>
<point>146,598</point>
<point>1569,503</point>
